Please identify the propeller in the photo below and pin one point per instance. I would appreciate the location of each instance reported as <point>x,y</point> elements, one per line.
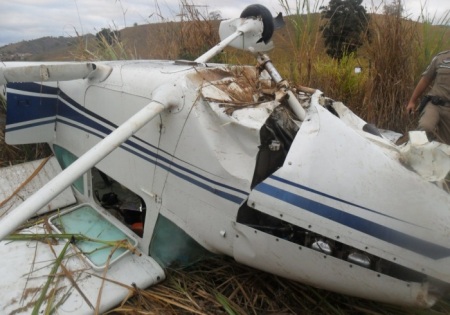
<point>270,24</point>
<point>252,31</point>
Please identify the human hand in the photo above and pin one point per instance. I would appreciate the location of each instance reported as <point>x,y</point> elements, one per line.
<point>410,108</point>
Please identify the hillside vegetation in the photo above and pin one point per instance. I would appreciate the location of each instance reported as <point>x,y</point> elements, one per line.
<point>45,48</point>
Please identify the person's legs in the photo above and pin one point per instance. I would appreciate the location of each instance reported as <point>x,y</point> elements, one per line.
<point>444,125</point>
<point>429,120</point>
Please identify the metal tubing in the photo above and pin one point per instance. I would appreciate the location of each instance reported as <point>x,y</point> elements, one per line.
<point>31,205</point>
<point>248,25</point>
<point>296,106</point>
<point>293,102</point>
<point>218,48</point>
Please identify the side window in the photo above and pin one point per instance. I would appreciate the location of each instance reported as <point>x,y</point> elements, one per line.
<point>65,158</point>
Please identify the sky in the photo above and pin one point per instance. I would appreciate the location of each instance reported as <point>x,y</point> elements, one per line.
<point>31,19</point>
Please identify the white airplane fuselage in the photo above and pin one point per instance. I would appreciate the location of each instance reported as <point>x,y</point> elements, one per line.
<point>315,201</point>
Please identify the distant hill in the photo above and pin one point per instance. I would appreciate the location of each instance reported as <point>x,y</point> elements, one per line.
<point>45,48</point>
<point>147,41</point>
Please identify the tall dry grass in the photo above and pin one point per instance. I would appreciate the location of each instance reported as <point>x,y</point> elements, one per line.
<point>303,39</point>
<point>392,59</point>
<point>391,55</point>
<point>187,38</point>
<point>399,50</point>
<point>197,33</point>
<point>301,58</point>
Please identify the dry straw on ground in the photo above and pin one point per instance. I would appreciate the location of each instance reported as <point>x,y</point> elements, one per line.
<point>222,286</point>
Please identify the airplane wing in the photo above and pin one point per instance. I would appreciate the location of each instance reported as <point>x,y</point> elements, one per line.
<point>52,71</point>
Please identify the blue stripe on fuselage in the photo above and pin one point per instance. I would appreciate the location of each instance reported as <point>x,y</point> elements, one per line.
<point>68,114</point>
<point>22,108</point>
<point>368,227</point>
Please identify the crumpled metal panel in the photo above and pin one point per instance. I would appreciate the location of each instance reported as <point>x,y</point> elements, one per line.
<point>12,177</point>
<point>28,264</point>
<point>431,160</point>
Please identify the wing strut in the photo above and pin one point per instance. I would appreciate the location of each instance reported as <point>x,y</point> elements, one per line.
<point>64,179</point>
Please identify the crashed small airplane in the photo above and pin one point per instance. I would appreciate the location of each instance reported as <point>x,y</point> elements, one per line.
<point>159,162</point>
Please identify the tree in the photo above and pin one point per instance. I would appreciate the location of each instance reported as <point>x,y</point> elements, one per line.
<point>215,15</point>
<point>346,22</point>
<point>395,8</point>
<point>107,37</point>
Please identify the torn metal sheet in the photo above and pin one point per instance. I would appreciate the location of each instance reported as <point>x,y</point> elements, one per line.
<point>15,188</point>
<point>431,160</point>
